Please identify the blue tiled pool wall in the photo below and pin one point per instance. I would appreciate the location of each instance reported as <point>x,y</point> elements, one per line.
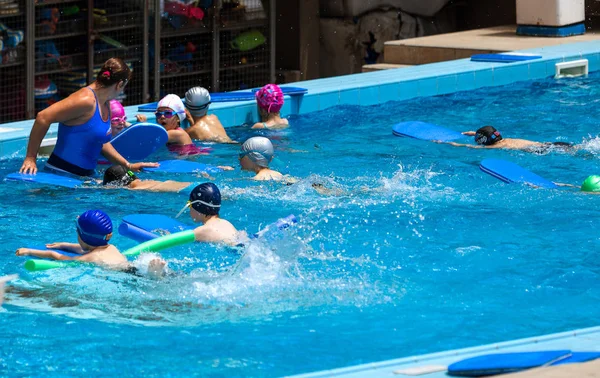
<point>373,88</point>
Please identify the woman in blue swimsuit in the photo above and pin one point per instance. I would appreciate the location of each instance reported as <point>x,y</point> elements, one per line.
<point>84,131</point>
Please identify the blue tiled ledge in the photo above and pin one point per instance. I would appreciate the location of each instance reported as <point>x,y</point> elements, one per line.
<point>377,87</point>
<point>587,339</point>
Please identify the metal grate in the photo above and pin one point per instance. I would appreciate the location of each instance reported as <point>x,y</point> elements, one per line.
<point>12,60</point>
<point>117,30</point>
<point>60,48</point>
<point>245,44</point>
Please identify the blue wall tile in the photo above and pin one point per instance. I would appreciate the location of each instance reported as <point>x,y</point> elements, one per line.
<point>510,73</point>
<point>369,95</point>
<point>484,78</point>
<point>309,103</point>
<point>248,114</point>
<point>408,89</point>
<point>428,87</point>
<point>465,81</point>
<point>537,70</point>
<point>327,100</point>
<point>226,117</point>
<point>594,61</point>
<point>446,84</point>
<point>11,147</point>
<point>551,66</point>
<point>388,92</point>
<point>349,97</point>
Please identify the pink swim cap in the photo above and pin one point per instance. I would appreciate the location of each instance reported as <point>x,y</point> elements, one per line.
<point>270,98</point>
<point>116,109</point>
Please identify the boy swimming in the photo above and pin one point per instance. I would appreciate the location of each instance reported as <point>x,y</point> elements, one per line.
<point>489,137</point>
<point>255,156</point>
<point>205,204</point>
<point>119,176</point>
<point>94,230</point>
<point>205,127</point>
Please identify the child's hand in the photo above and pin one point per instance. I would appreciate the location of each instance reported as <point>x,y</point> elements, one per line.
<point>22,252</point>
<point>189,117</point>
<point>141,117</point>
<point>225,167</point>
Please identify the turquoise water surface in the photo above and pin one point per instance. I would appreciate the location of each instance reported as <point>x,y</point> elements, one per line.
<point>413,250</point>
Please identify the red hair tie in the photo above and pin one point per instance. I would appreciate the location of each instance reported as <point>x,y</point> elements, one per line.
<point>107,73</point>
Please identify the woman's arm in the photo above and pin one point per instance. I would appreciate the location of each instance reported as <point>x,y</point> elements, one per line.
<point>109,152</point>
<point>71,108</point>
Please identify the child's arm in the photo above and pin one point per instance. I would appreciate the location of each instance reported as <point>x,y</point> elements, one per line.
<point>258,125</point>
<point>469,133</point>
<point>44,254</point>
<point>69,247</point>
<point>141,117</point>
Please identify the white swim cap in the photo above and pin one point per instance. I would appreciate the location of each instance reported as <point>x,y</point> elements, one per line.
<point>259,150</point>
<point>197,101</point>
<point>173,102</point>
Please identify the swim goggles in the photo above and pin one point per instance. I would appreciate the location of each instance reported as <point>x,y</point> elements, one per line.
<point>96,236</point>
<point>118,120</point>
<point>190,203</point>
<point>198,107</point>
<point>167,114</point>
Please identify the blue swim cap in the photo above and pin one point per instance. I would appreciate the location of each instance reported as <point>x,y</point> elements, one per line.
<point>206,199</point>
<point>94,227</point>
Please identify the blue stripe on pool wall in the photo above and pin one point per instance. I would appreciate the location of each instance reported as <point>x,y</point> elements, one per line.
<point>376,87</point>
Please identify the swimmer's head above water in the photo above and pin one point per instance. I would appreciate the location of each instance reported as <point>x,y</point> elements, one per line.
<point>94,228</point>
<point>117,175</point>
<point>258,150</point>
<point>487,136</point>
<point>197,101</point>
<point>170,112</point>
<point>205,199</point>
<point>118,120</point>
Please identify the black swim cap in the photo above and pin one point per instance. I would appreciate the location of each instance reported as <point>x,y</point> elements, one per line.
<point>487,135</point>
<point>206,199</point>
<point>118,175</point>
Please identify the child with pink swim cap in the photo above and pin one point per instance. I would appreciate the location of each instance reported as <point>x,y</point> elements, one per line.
<point>118,119</point>
<point>270,100</point>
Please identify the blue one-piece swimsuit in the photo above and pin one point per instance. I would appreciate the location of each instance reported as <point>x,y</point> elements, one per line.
<point>78,147</point>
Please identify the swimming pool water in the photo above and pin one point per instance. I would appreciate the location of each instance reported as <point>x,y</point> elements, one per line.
<point>415,250</point>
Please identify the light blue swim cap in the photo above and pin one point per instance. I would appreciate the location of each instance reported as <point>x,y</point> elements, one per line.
<point>259,150</point>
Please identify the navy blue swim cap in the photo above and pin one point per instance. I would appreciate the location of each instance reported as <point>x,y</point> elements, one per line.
<point>94,227</point>
<point>206,199</point>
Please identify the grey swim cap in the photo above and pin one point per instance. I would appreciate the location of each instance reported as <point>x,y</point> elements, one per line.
<point>197,101</point>
<point>259,150</point>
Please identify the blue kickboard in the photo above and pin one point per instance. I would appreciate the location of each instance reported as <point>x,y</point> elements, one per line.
<point>504,57</point>
<point>65,253</point>
<point>140,140</point>
<point>425,131</point>
<point>143,227</point>
<point>183,166</point>
<point>511,172</point>
<point>501,363</point>
<point>551,31</point>
<point>231,96</point>
<point>46,179</point>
